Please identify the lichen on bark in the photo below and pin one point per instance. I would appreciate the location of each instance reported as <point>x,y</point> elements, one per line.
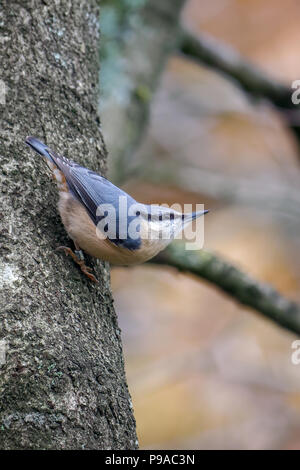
<point>62,385</point>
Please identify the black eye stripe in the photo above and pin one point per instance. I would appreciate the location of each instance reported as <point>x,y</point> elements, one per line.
<point>161,217</point>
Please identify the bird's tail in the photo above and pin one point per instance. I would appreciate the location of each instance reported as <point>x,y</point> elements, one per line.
<point>43,150</point>
<point>39,147</point>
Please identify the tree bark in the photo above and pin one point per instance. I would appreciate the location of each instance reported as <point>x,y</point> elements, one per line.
<point>62,380</point>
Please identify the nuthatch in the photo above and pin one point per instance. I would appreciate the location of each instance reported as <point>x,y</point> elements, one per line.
<point>105,221</point>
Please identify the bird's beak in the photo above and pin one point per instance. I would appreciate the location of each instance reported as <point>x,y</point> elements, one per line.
<point>195,215</point>
<point>188,218</point>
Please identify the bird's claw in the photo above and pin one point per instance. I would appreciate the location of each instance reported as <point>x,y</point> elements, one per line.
<point>90,275</point>
<point>88,269</point>
<point>85,269</point>
<point>67,251</point>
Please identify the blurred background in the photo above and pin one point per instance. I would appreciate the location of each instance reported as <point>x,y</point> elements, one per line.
<point>205,372</point>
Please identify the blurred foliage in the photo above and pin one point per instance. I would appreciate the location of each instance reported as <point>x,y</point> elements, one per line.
<point>203,371</point>
<point>116,19</point>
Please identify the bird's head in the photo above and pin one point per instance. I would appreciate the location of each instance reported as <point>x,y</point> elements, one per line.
<point>164,223</point>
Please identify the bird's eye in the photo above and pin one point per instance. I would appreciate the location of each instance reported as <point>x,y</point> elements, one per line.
<point>138,213</point>
<point>105,228</point>
<point>160,217</point>
<point>172,216</point>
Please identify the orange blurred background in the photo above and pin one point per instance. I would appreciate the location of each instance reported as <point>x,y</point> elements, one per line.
<point>203,371</point>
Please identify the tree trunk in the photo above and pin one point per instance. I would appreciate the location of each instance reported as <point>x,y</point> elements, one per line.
<point>62,381</point>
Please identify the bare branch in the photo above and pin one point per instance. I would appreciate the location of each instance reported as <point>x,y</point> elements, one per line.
<point>235,283</point>
<point>224,58</point>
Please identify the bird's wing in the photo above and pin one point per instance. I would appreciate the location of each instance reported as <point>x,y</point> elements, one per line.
<point>92,190</point>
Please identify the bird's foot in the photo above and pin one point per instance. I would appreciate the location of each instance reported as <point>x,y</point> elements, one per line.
<point>79,259</point>
<point>87,271</point>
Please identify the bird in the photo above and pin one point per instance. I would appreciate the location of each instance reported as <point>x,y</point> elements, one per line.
<point>103,220</point>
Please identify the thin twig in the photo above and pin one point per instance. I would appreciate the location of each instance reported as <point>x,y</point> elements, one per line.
<point>226,59</point>
<point>256,82</point>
